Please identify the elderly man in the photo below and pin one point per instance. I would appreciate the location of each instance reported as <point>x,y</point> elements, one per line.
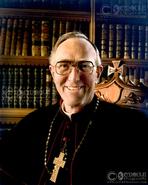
<point>80,140</point>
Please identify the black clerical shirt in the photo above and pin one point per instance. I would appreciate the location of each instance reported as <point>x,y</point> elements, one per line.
<point>116,141</point>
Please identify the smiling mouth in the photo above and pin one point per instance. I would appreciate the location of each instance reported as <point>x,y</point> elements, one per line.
<point>73,88</point>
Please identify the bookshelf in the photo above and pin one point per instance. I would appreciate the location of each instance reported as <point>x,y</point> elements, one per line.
<point>27,36</point>
<point>121,33</point>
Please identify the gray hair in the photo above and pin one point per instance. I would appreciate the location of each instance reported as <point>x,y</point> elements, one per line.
<point>74,34</point>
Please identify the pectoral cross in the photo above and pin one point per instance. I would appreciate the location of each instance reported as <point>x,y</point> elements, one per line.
<point>58,162</point>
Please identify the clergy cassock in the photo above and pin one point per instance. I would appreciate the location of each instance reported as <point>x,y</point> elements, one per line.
<point>93,147</point>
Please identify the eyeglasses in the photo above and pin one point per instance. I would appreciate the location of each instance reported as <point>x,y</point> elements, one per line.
<point>65,67</point>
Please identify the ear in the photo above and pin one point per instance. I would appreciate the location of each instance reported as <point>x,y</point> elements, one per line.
<point>99,72</point>
<point>51,70</point>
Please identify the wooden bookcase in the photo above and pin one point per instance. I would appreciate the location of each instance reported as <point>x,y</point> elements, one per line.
<point>94,19</point>
<point>66,20</point>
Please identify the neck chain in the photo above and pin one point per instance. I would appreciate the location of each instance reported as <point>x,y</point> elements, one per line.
<point>80,143</point>
<point>48,138</point>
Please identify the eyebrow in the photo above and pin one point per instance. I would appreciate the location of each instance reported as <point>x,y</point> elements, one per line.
<point>66,60</point>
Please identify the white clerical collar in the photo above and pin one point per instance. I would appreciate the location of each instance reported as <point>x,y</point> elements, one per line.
<point>63,109</point>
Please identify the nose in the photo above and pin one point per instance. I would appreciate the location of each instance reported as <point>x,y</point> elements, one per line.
<point>74,74</point>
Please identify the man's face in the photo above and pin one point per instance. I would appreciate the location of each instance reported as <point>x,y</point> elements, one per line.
<point>75,88</point>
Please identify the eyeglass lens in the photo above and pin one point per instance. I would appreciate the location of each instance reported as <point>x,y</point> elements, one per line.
<point>64,67</point>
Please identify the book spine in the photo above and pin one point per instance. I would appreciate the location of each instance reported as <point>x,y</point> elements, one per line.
<point>30,87</point>
<point>111,49</point>
<point>4,86</point>
<point>16,86</point>
<point>69,26</point>
<point>36,101</point>
<point>8,37</point>
<point>48,88</point>
<point>136,76</point>
<point>62,27</point>
<point>10,86</point>
<point>76,26</point>
<point>14,38</point>
<point>141,80</point>
<point>134,42</point>
<point>19,41</point>
<point>55,33</point>
<point>126,78</point>
<point>146,43</point>
<point>22,87</point>
<point>131,75</point>
<point>42,87</point>
<point>141,35</point>
<point>119,40</point>
<point>3,35</point>
<point>26,38</point>
<point>104,41</point>
<point>36,38</point>
<point>127,41</point>
<point>45,37</point>
<point>54,94</point>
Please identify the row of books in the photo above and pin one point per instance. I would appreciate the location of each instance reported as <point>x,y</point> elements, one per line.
<point>26,87</point>
<point>34,37</point>
<point>136,76</point>
<point>32,86</point>
<point>127,41</point>
<point>83,5</point>
<point>133,75</point>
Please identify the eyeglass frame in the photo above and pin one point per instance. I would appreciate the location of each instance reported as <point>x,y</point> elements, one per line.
<point>74,64</point>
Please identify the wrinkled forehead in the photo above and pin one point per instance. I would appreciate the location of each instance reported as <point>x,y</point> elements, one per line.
<point>76,42</point>
<point>75,46</point>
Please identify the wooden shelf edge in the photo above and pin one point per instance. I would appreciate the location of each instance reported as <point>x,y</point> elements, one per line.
<point>129,62</point>
<point>15,112</point>
<point>119,17</point>
<point>24,60</point>
<point>43,61</point>
<point>13,115</point>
